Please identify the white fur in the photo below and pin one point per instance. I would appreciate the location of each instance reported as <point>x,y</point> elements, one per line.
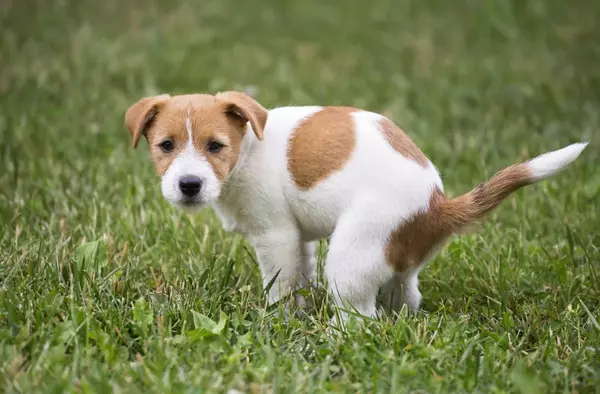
<point>550,163</point>
<point>188,125</point>
<point>357,207</point>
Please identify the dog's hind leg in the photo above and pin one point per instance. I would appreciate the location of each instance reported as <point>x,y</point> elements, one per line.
<point>402,289</point>
<point>308,263</point>
<point>356,267</point>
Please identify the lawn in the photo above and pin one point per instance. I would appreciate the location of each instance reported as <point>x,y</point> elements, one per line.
<point>106,288</point>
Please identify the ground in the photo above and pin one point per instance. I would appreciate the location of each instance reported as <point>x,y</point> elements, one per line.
<point>105,287</point>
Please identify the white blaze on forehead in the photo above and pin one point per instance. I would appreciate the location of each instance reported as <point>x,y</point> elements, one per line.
<point>188,123</point>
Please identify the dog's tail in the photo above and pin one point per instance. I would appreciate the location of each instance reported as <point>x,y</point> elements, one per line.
<point>460,212</point>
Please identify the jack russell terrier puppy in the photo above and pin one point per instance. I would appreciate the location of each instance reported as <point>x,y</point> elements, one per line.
<point>288,177</point>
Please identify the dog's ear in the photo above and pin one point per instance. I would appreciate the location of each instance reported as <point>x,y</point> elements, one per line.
<point>140,115</point>
<point>243,109</point>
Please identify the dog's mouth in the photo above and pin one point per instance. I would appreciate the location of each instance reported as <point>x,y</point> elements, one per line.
<point>189,204</point>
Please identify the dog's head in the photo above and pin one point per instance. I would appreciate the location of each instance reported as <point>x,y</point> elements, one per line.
<point>194,140</point>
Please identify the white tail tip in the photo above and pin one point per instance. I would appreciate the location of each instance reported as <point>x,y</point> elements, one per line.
<point>550,163</point>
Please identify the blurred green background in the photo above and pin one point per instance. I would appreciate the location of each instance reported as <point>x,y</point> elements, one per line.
<point>104,287</point>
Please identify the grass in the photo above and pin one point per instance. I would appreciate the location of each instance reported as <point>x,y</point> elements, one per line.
<point>105,288</point>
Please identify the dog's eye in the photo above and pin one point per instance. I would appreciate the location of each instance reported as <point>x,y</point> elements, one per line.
<point>166,146</point>
<point>214,146</point>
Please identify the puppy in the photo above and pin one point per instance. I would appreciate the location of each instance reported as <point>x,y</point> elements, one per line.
<point>287,177</point>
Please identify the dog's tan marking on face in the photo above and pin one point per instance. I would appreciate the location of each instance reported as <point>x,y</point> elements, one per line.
<point>402,142</point>
<point>211,125</point>
<point>321,145</point>
<point>171,123</point>
<point>207,119</point>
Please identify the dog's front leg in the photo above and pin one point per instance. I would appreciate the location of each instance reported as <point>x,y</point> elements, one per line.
<point>279,256</point>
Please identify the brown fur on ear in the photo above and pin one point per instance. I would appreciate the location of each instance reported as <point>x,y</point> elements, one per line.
<point>243,107</point>
<point>140,114</point>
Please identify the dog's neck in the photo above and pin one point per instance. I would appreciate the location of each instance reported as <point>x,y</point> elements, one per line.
<point>245,147</point>
<point>227,206</point>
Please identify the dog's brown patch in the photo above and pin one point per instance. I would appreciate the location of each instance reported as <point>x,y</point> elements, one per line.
<point>401,142</point>
<point>170,123</point>
<point>411,243</point>
<point>210,125</point>
<point>321,145</point>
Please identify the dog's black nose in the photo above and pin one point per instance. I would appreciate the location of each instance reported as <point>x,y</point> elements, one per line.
<point>190,185</point>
